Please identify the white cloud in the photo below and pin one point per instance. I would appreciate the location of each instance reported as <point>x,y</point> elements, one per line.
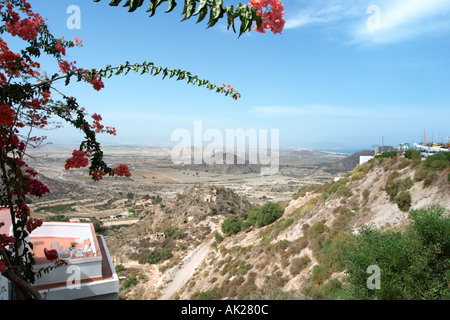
<point>400,20</point>
<point>318,15</point>
<point>405,20</point>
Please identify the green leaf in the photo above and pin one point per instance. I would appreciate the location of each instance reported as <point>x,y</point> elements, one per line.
<point>172,5</point>
<point>201,5</point>
<point>165,72</point>
<point>119,70</point>
<point>189,8</point>
<point>134,4</point>
<point>144,70</point>
<point>152,8</point>
<point>230,17</point>
<point>203,14</point>
<point>216,9</point>
<point>114,3</point>
<point>172,73</point>
<point>158,70</point>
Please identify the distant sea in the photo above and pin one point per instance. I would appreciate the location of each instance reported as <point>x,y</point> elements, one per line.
<point>343,151</point>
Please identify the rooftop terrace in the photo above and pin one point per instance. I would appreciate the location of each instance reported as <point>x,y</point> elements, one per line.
<point>87,274</point>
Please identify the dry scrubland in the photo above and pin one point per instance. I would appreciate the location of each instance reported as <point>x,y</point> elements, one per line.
<point>155,174</point>
<point>178,249</point>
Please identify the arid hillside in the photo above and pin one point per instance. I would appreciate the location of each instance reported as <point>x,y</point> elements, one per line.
<point>180,251</point>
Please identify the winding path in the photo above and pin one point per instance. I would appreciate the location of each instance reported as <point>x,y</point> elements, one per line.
<point>181,273</point>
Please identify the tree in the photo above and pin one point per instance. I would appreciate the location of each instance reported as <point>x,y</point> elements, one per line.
<point>269,213</point>
<point>413,264</point>
<point>231,225</point>
<point>27,102</point>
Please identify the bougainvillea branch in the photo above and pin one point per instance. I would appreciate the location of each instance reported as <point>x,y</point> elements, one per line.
<point>265,14</point>
<point>201,8</point>
<point>29,100</point>
<point>26,106</point>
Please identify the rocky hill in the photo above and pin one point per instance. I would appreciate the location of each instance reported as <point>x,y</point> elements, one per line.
<point>291,258</point>
<point>178,226</point>
<point>350,162</point>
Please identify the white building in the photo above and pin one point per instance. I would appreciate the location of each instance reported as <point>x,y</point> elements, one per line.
<point>89,273</point>
<point>364,159</point>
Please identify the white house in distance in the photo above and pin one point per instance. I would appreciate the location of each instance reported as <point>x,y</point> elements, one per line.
<point>89,273</point>
<point>364,159</point>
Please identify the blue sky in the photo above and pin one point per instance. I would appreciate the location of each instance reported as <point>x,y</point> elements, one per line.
<point>330,81</point>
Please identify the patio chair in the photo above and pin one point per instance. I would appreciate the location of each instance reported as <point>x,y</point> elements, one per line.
<point>57,247</point>
<point>82,253</point>
<point>51,254</point>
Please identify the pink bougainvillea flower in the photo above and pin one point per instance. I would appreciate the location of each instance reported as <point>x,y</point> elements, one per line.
<point>272,13</point>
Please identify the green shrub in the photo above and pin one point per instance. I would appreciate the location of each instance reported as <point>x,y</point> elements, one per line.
<point>408,154</point>
<point>153,257</point>
<point>328,255</point>
<point>231,225</point>
<point>298,264</point>
<point>243,269</point>
<point>341,223</point>
<point>438,161</point>
<point>119,267</point>
<point>318,228</point>
<point>403,200</point>
<point>343,191</point>
<point>393,175</point>
<point>257,216</point>
<point>319,274</point>
<point>405,184</point>
<point>361,170</point>
<point>393,187</point>
<point>218,237</point>
<point>269,213</point>
<point>129,282</point>
<point>433,227</point>
<point>174,233</point>
<point>251,216</point>
<point>413,155</point>
<point>339,188</point>
<point>207,295</point>
<point>403,164</point>
<point>386,154</point>
<point>420,173</point>
<point>331,289</point>
<point>286,224</point>
<point>415,163</point>
<point>431,175</point>
<point>366,194</point>
<point>414,263</point>
<point>57,209</point>
<point>58,218</point>
<point>157,256</point>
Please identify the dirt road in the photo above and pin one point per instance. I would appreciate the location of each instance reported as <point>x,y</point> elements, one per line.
<point>180,274</point>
